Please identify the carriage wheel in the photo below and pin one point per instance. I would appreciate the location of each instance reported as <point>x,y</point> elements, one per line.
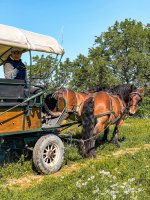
<point>48,154</point>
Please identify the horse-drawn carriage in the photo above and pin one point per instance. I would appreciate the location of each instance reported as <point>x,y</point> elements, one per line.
<point>21,111</point>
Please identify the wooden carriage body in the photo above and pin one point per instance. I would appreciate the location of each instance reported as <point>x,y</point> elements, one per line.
<point>16,114</point>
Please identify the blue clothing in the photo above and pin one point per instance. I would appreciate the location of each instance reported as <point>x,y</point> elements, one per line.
<point>21,69</point>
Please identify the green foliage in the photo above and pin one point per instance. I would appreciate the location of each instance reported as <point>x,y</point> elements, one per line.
<point>44,71</point>
<point>144,108</point>
<point>125,47</point>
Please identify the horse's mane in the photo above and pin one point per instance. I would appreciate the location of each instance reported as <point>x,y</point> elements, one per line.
<point>123,90</point>
<point>99,88</point>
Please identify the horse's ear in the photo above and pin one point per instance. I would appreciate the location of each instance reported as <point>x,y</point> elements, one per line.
<point>141,90</point>
<point>132,88</point>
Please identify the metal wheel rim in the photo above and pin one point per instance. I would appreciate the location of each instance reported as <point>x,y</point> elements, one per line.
<point>51,154</point>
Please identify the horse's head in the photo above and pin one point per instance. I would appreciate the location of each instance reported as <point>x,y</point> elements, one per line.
<point>58,93</point>
<point>135,99</point>
<point>66,98</point>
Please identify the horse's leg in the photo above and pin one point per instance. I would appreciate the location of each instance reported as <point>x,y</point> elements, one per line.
<point>116,132</point>
<point>87,144</point>
<point>97,129</point>
<point>100,128</point>
<point>115,136</point>
<point>105,136</point>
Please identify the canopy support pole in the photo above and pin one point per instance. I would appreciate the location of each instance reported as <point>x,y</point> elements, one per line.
<point>30,74</point>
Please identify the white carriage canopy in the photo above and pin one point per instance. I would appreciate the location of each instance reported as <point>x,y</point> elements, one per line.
<point>25,40</point>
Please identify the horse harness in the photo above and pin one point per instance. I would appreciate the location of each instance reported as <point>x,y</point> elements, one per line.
<point>111,112</point>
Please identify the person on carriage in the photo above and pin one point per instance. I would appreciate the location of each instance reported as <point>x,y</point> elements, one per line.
<point>14,68</point>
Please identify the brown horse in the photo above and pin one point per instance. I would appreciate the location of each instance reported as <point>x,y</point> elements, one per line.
<point>66,99</point>
<point>69,99</point>
<point>104,109</point>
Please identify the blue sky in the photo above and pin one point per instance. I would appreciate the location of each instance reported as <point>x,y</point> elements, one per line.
<point>74,23</point>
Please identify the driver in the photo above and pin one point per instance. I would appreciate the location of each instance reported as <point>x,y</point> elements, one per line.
<point>14,68</point>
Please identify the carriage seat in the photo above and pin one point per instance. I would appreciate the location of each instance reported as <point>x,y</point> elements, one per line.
<point>12,91</point>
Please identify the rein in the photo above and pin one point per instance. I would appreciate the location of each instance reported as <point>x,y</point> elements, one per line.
<point>138,93</point>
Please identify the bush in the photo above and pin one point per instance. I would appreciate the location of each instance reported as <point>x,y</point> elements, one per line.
<point>143,110</point>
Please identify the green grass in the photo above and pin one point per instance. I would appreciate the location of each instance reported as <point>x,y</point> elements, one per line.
<point>124,176</point>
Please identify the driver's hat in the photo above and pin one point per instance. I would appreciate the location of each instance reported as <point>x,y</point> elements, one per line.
<point>16,49</point>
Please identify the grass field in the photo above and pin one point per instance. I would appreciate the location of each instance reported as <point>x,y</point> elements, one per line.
<point>116,173</point>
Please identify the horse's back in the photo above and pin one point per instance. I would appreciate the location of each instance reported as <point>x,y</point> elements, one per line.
<point>101,102</point>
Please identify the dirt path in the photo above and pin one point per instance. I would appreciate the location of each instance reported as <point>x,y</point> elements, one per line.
<point>30,179</point>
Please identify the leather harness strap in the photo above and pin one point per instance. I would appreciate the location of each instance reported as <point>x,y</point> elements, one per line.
<point>111,109</point>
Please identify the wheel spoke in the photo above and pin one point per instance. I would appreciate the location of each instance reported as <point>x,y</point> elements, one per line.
<point>52,147</point>
<point>50,154</point>
<point>46,159</point>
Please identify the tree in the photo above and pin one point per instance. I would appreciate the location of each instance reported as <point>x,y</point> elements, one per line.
<point>125,48</point>
<point>63,74</point>
<point>80,77</point>
<point>44,71</point>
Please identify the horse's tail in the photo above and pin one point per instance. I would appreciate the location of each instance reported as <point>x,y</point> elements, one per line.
<point>87,144</point>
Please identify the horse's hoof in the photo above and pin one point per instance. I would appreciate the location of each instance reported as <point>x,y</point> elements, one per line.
<point>115,141</point>
<point>118,145</point>
<point>91,154</point>
<point>105,141</point>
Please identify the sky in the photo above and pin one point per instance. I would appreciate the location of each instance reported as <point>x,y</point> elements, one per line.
<point>74,23</point>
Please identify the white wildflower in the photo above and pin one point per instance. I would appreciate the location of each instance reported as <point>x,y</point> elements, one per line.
<point>107,191</point>
<point>129,190</point>
<point>103,193</point>
<point>131,180</point>
<point>78,184</point>
<point>125,184</point>
<point>107,173</point>
<point>92,177</point>
<point>96,190</point>
<point>139,190</point>
<point>122,186</point>
<point>114,185</point>
<point>84,184</point>
<point>114,177</point>
<point>112,192</point>
<point>114,196</point>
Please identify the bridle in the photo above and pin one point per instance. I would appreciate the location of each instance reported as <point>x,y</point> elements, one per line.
<point>133,94</point>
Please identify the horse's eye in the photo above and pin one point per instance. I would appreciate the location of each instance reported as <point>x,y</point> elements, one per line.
<point>140,101</point>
